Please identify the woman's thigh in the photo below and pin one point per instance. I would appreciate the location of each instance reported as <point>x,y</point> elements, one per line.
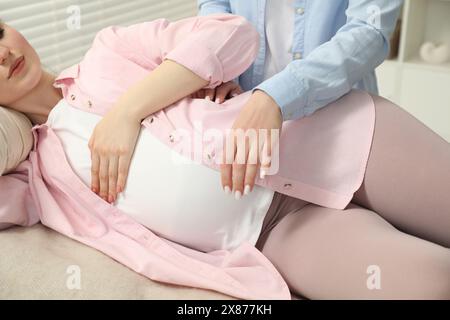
<point>407,180</point>
<point>325,253</point>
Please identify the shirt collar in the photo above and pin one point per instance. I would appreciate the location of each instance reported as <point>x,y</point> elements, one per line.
<point>68,73</point>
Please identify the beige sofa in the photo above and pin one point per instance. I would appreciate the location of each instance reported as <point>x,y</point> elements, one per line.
<point>39,263</point>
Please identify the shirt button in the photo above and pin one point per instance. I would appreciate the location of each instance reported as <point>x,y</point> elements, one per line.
<point>171,138</point>
<point>152,119</point>
<point>297,55</point>
<point>72,97</point>
<point>89,104</point>
<point>300,11</point>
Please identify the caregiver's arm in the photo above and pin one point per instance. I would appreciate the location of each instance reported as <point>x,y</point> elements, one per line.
<point>331,69</point>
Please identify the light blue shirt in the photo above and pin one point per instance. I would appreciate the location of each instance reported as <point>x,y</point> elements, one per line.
<point>337,45</point>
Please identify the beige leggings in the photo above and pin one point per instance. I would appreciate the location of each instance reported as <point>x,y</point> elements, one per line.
<point>391,242</point>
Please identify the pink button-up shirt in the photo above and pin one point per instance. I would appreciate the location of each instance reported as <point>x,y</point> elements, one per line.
<point>322,158</point>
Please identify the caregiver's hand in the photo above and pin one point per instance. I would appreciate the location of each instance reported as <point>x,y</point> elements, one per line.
<point>112,145</point>
<point>220,93</point>
<point>240,161</point>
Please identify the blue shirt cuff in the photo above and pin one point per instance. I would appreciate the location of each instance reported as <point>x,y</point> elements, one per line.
<point>288,92</point>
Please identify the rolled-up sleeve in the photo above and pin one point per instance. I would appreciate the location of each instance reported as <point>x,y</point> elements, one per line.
<point>330,70</point>
<point>218,47</point>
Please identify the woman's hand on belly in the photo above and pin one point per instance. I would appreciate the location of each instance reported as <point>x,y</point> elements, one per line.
<point>112,145</point>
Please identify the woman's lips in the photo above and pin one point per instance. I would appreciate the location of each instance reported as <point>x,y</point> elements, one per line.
<point>17,67</point>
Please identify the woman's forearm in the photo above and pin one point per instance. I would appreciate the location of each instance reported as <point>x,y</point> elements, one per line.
<point>166,84</point>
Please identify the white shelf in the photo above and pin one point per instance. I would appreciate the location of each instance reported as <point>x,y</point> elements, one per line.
<point>422,21</point>
<point>419,63</point>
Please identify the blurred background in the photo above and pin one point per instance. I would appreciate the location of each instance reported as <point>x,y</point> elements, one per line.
<point>63,30</point>
<point>416,76</point>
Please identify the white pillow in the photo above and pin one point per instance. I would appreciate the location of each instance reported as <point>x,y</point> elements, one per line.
<point>16,139</point>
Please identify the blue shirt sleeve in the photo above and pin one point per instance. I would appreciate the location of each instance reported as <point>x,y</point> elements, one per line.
<point>331,69</point>
<point>213,6</point>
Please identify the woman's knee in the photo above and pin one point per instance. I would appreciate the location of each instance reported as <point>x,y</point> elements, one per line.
<point>411,267</point>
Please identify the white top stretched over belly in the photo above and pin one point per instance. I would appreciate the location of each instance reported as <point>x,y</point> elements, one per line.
<point>181,201</point>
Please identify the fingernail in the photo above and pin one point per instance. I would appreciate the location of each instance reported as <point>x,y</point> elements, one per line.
<point>234,94</point>
<point>118,189</point>
<point>217,100</point>
<point>94,190</point>
<point>208,98</point>
<point>262,173</point>
<point>110,198</point>
<point>237,195</point>
<point>227,190</point>
<point>247,189</point>
<point>104,198</point>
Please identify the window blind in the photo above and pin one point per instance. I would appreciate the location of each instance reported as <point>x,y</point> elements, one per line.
<point>61,31</point>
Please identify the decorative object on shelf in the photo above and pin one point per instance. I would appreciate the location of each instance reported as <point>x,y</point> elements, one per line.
<point>433,53</point>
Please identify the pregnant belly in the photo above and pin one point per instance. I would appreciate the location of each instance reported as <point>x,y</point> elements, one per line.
<point>179,200</point>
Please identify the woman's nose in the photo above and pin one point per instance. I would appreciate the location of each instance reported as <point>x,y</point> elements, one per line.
<point>4,53</point>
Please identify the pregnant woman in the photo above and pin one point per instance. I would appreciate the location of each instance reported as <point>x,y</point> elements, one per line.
<point>321,252</point>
